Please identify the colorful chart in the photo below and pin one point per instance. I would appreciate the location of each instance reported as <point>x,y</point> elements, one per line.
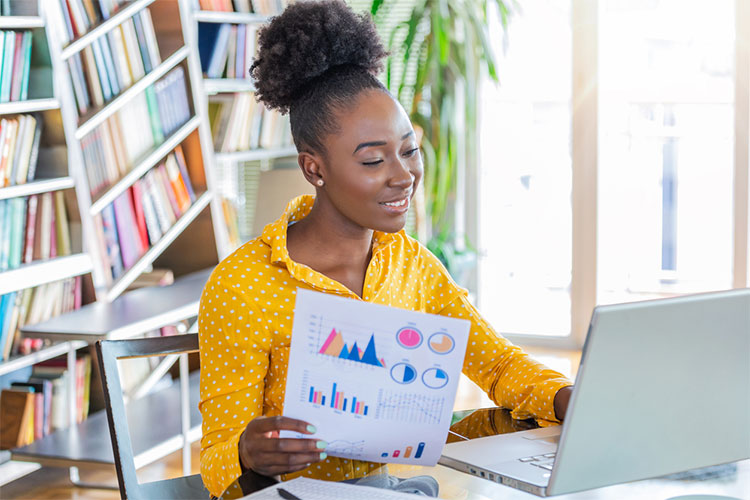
<point>335,346</point>
<point>409,337</point>
<point>406,452</point>
<point>441,343</point>
<point>435,378</point>
<point>403,373</point>
<point>337,401</point>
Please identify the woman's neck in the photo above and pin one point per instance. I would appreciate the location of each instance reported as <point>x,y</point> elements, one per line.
<point>332,245</point>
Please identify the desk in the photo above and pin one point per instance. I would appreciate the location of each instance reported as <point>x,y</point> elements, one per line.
<point>732,480</point>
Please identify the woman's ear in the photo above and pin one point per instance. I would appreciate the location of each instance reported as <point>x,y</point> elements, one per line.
<point>311,167</point>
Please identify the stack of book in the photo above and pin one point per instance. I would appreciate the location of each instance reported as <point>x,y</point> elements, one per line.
<point>263,7</point>
<point>33,409</point>
<point>226,50</point>
<point>33,228</point>
<point>19,149</point>
<point>117,145</point>
<point>33,305</point>
<point>112,63</point>
<point>139,217</point>
<point>240,123</point>
<point>15,47</point>
<point>79,16</point>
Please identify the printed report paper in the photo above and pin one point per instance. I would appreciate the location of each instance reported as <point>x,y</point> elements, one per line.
<point>378,382</point>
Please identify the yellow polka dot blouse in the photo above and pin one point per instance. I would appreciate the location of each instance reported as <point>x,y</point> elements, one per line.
<point>245,325</point>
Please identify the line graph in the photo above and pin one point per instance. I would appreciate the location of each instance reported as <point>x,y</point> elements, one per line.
<point>409,407</point>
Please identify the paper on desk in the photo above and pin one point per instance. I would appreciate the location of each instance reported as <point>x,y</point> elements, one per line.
<point>314,489</point>
<point>378,382</point>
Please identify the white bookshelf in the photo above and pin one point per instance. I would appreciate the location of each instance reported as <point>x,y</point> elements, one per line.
<point>20,22</point>
<point>103,28</point>
<point>173,35</point>
<point>57,178</point>
<point>227,85</point>
<point>256,154</point>
<point>125,97</point>
<point>28,106</point>
<point>212,16</point>
<point>228,165</point>
<point>37,186</point>
<point>40,272</point>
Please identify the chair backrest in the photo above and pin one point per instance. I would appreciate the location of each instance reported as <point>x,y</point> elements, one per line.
<point>109,351</point>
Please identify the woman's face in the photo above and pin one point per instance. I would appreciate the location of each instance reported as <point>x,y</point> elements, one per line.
<point>373,164</point>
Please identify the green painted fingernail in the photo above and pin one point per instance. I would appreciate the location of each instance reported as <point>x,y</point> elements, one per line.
<point>323,456</point>
<point>311,429</point>
<point>321,444</point>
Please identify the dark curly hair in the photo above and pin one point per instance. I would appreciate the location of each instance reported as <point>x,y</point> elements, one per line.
<point>314,59</point>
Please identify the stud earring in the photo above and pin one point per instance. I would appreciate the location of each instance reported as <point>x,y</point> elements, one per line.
<point>320,182</point>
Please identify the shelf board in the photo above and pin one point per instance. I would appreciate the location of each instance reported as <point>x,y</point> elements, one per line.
<point>131,314</point>
<point>211,16</point>
<point>18,362</point>
<point>10,471</point>
<point>44,271</point>
<point>89,444</point>
<point>28,106</point>
<point>36,187</point>
<point>20,22</point>
<point>227,85</point>
<point>121,100</point>
<point>104,27</point>
<point>144,166</point>
<point>148,258</point>
<point>256,154</point>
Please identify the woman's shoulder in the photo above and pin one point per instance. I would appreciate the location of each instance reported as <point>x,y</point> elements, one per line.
<point>243,262</point>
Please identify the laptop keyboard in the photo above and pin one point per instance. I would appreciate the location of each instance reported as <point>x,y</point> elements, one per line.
<point>545,461</point>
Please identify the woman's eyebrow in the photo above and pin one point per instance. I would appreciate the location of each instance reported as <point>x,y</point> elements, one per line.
<point>379,143</point>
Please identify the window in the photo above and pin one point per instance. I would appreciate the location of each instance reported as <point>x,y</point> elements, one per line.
<point>660,93</point>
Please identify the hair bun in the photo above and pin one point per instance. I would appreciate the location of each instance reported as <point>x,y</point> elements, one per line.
<point>304,42</point>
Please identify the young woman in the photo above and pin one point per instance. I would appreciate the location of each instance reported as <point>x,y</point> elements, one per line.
<point>318,61</point>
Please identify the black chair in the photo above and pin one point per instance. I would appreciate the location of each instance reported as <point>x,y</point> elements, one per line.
<point>109,351</point>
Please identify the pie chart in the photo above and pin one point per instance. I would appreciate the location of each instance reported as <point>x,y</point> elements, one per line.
<point>435,378</point>
<point>403,373</point>
<point>441,343</point>
<point>409,337</point>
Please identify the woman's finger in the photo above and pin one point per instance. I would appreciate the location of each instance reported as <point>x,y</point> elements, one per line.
<point>280,423</point>
<point>287,445</point>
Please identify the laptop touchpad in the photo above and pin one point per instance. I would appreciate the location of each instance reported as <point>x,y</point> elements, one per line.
<point>549,435</point>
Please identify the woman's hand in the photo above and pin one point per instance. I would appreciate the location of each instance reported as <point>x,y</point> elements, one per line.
<point>262,450</point>
<point>560,403</point>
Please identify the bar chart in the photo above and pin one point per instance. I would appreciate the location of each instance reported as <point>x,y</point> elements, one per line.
<point>406,452</point>
<point>337,400</point>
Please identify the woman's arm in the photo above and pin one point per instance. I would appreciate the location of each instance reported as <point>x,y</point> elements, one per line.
<point>510,377</point>
<point>234,352</point>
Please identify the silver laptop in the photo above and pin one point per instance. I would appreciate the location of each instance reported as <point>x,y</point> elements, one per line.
<point>663,387</point>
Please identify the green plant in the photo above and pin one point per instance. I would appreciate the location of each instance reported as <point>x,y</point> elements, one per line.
<point>437,58</point>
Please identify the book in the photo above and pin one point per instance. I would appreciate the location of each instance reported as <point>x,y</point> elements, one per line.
<point>130,248</point>
<point>31,207</point>
<point>9,50</point>
<point>16,416</point>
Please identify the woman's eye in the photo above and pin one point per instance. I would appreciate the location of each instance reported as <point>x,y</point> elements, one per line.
<point>372,163</point>
<point>410,153</point>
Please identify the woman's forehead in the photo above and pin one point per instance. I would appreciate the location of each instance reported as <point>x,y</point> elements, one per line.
<point>374,115</point>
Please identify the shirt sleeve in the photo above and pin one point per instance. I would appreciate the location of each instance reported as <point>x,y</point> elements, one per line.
<point>510,377</point>
<point>234,352</point>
